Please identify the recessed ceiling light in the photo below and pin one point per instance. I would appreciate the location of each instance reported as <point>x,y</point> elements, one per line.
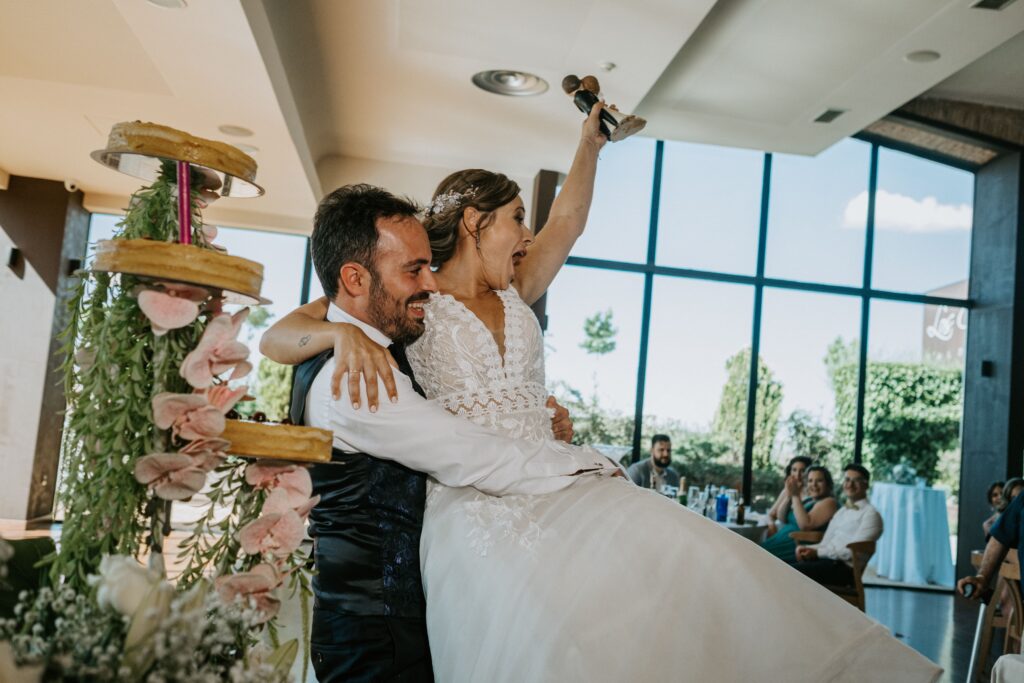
<point>237,131</point>
<point>922,56</point>
<point>511,83</point>
<point>169,4</point>
<point>248,149</point>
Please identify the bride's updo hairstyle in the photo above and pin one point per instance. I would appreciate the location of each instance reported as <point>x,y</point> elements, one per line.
<point>483,190</point>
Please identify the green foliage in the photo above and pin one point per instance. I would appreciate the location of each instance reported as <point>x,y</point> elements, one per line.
<point>113,366</point>
<point>593,424</point>
<point>810,438</point>
<point>911,412</point>
<point>600,333</point>
<point>730,422</point>
<point>273,389</point>
<point>259,317</point>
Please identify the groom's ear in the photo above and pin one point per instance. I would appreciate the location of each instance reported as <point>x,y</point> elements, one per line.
<point>354,279</point>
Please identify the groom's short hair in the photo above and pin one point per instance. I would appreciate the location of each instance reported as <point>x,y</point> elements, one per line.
<point>345,229</point>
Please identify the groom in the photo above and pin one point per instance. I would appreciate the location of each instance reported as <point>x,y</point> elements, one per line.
<point>373,259</point>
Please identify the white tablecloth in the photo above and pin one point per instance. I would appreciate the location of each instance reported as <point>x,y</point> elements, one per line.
<point>915,545</point>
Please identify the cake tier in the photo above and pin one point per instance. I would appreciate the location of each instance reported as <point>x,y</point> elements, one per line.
<point>182,263</point>
<point>135,148</point>
<point>278,441</point>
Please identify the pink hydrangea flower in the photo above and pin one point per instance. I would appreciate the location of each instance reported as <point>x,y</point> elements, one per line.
<point>279,534</point>
<point>188,416</point>
<point>218,351</point>
<point>257,585</point>
<point>172,306</point>
<point>195,416</point>
<point>172,476</point>
<point>282,500</point>
<point>290,485</point>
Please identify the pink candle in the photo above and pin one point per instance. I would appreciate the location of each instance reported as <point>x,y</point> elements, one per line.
<point>184,203</point>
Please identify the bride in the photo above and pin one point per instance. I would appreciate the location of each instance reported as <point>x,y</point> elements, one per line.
<point>603,581</point>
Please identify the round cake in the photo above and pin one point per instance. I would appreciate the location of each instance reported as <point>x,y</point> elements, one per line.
<point>137,148</point>
<point>152,139</point>
<point>276,441</point>
<point>185,263</point>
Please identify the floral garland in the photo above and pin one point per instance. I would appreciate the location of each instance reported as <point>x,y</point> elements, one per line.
<point>147,373</point>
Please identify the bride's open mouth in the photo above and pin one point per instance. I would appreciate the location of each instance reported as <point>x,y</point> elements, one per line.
<point>517,257</point>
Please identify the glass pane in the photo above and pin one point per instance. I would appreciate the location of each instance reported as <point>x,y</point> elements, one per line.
<point>809,358</point>
<point>282,257</point>
<point>592,347</point>
<point>710,208</point>
<point>620,215</point>
<point>923,218</point>
<point>817,215</point>
<point>697,380</point>
<point>912,412</point>
<point>315,289</point>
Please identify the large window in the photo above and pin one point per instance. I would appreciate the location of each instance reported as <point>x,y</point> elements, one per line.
<point>283,258</point>
<point>763,306</point>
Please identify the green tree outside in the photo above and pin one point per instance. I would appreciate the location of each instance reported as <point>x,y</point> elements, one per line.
<point>730,423</point>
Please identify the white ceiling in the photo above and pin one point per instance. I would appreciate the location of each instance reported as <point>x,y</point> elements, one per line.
<point>996,79</point>
<point>759,72</point>
<point>69,69</point>
<point>328,83</point>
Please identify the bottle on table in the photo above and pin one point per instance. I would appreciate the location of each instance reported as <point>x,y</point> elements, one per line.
<point>682,491</point>
<point>722,507</point>
<point>741,513</point>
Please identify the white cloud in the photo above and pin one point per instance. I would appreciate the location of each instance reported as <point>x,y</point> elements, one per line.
<point>901,213</point>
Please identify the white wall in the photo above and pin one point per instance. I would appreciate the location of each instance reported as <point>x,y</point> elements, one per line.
<point>26,315</point>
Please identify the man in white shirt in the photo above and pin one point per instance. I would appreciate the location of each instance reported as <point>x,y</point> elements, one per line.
<point>830,562</point>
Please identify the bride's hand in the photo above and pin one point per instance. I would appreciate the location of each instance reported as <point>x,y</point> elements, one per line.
<point>359,356</point>
<point>561,423</point>
<point>592,128</point>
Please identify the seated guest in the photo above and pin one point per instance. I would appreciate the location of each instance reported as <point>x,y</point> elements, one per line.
<point>1006,534</point>
<point>831,562</point>
<point>780,509</point>
<point>655,471</point>
<point>995,502</point>
<point>1011,489</point>
<point>810,513</point>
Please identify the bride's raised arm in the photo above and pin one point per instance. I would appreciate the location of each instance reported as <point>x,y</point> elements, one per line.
<point>568,216</point>
<point>305,332</point>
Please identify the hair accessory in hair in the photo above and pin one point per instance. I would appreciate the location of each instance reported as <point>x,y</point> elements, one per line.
<point>449,200</point>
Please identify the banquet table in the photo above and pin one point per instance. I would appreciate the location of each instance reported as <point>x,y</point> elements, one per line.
<point>914,547</point>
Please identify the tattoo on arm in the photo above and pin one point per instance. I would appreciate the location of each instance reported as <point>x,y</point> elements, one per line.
<point>305,340</point>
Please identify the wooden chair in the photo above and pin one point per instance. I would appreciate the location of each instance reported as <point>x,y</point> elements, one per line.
<point>861,553</point>
<point>1014,612</point>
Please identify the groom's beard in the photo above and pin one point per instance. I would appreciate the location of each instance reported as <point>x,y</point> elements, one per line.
<point>391,315</point>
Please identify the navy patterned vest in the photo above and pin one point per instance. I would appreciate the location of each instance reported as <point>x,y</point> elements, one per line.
<point>366,528</point>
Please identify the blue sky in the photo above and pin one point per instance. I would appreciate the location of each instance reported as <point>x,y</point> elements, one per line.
<point>709,212</point>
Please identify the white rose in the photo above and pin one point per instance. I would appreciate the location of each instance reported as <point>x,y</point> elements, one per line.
<point>123,583</point>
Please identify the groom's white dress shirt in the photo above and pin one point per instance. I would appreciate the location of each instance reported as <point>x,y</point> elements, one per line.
<point>425,437</point>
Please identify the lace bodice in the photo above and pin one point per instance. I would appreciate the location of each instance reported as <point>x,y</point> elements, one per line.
<point>457,363</point>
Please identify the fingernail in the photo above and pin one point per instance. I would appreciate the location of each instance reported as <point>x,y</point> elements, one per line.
<point>355,405</point>
<point>373,409</point>
<point>394,399</point>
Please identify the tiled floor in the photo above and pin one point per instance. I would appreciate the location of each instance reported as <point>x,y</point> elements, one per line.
<point>938,625</point>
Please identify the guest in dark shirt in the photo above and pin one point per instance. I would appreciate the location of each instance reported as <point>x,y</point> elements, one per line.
<point>1006,534</point>
<point>656,471</point>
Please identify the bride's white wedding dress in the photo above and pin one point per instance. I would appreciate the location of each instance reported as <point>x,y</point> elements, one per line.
<point>605,581</point>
